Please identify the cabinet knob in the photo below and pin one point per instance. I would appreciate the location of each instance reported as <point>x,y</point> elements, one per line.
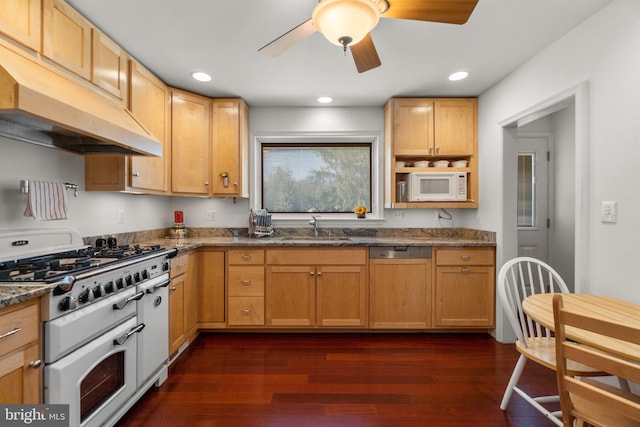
<point>319,273</point>
<point>246,311</point>
<point>430,150</point>
<point>206,183</point>
<point>136,174</point>
<point>245,282</point>
<point>465,257</point>
<point>465,270</point>
<point>173,288</point>
<point>311,273</point>
<point>235,184</point>
<point>35,364</point>
<point>437,150</point>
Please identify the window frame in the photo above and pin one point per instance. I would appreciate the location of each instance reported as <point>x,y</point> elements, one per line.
<point>377,173</point>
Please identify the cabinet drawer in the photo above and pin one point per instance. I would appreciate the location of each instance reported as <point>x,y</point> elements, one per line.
<point>246,311</point>
<point>246,256</point>
<point>246,281</point>
<point>179,265</point>
<point>465,256</point>
<point>18,328</point>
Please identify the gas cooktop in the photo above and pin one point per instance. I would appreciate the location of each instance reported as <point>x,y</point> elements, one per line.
<point>51,267</point>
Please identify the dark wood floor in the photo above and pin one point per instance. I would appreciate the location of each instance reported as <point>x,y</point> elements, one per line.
<point>305,380</point>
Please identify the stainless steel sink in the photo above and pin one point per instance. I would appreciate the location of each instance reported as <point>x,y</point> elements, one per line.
<point>316,239</point>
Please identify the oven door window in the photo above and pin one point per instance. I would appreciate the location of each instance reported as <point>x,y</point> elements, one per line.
<point>101,383</point>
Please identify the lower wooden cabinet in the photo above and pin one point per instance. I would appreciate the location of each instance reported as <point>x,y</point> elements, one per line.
<point>181,303</point>
<point>464,292</point>
<point>20,354</point>
<point>209,287</point>
<point>400,293</point>
<point>321,287</point>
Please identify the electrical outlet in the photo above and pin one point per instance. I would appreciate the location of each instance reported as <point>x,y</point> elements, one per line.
<point>211,215</point>
<point>609,212</point>
<point>399,215</point>
<point>120,216</point>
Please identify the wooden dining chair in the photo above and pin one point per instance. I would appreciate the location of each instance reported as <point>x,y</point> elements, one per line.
<point>586,400</point>
<point>519,278</point>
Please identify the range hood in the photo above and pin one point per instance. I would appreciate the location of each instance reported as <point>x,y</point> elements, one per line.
<point>41,105</point>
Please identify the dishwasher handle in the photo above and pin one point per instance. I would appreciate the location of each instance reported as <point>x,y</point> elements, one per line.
<point>400,252</point>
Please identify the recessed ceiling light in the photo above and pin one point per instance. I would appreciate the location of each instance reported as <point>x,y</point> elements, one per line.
<point>201,76</point>
<point>458,75</point>
<point>325,99</point>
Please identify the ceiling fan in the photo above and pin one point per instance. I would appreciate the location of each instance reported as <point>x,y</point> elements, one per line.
<point>347,23</point>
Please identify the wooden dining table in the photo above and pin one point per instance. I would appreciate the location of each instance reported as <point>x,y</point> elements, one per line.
<point>540,308</point>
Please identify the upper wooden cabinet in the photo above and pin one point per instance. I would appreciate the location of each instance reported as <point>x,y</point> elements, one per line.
<point>149,102</point>
<point>66,37</point>
<point>190,144</point>
<point>431,129</point>
<point>21,21</point>
<point>230,147</point>
<point>109,65</point>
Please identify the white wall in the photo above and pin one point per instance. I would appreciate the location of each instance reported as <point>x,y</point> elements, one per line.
<point>603,52</point>
<point>91,213</point>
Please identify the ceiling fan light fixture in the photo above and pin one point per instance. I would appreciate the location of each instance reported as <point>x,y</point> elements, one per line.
<point>341,20</point>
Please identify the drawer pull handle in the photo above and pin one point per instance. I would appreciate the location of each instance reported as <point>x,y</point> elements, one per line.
<point>246,311</point>
<point>35,364</point>
<point>13,332</point>
<point>246,257</point>
<point>465,270</point>
<point>465,257</point>
<point>246,282</point>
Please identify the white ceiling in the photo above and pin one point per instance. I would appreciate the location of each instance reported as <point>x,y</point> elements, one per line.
<point>222,37</point>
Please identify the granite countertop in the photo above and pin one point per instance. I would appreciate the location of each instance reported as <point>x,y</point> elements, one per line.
<point>11,294</point>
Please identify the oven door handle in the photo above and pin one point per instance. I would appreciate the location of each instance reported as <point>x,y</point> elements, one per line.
<point>153,289</point>
<point>122,304</point>
<point>121,340</point>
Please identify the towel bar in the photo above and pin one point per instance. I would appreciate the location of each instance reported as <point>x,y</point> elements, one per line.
<point>24,187</point>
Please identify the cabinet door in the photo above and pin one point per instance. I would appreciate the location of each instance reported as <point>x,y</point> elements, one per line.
<point>190,148</point>
<point>150,103</point>
<point>464,296</point>
<point>455,127</point>
<point>176,313</point>
<point>66,37</point>
<point>342,296</point>
<point>21,20</point>
<point>400,293</point>
<point>290,296</point>
<point>20,374</point>
<point>109,65</point>
<point>412,127</point>
<point>211,295</point>
<point>229,139</point>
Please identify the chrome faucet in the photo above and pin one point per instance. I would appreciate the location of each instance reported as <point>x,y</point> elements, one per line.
<point>315,223</point>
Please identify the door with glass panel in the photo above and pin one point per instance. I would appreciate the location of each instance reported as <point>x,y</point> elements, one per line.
<point>533,207</point>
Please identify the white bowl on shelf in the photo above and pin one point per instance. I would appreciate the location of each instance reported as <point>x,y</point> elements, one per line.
<point>400,164</point>
<point>441,164</point>
<point>459,164</point>
<point>421,164</point>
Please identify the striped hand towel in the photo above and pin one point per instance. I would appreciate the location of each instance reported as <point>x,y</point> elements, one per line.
<point>47,201</point>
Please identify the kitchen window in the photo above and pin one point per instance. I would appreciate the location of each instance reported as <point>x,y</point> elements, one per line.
<point>324,175</point>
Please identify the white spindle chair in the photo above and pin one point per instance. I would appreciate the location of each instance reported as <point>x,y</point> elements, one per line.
<point>518,279</point>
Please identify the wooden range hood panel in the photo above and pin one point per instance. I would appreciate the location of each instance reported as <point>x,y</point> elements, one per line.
<point>41,105</point>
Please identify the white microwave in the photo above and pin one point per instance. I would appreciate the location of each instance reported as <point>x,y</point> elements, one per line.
<point>437,186</point>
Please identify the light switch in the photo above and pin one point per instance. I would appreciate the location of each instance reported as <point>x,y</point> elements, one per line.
<point>609,212</point>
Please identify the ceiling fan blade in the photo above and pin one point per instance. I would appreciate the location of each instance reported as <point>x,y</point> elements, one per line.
<point>285,41</point>
<point>445,11</point>
<point>365,55</point>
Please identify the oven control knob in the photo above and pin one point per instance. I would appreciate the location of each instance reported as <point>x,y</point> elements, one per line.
<point>67,303</point>
<point>165,266</point>
<point>120,283</point>
<point>129,280</point>
<point>109,288</point>
<point>99,291</point>
<point>145,274</point>
<point>86,296</point>
<point>136,277</point>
